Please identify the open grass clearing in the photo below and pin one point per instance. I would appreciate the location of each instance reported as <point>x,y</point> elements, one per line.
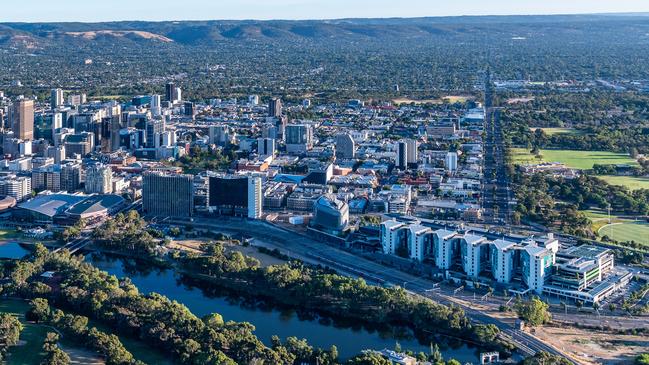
<point>399,101</point>
<point>582,160</point>
<point>555,131</point>
<point>631,182</point>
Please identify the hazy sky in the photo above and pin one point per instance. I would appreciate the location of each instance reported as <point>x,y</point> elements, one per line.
<point>106,10</point>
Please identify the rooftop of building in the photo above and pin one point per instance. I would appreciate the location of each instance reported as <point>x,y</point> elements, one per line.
<point>580,265</point>
<point>502,244</point>
<point>445,233</point>
<point>391,224</point>
<point>51,204</point>
<point>586,251</point>
<point>95,203</point>
<point>473,239</point>
<point>330,201</point>
<point>535,250</point>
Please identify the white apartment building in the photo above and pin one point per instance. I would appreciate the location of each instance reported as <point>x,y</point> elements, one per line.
<point>418,238</point>
<point>390,236</point>
<point>255,197</point>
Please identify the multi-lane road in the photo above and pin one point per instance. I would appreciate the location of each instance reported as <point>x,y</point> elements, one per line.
<point>496,190</point>
<point>308,250</point>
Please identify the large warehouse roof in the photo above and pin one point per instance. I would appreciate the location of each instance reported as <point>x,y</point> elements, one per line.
<point>51,204</point>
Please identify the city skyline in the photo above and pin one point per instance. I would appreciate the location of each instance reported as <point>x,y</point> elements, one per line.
<point>119,10</point>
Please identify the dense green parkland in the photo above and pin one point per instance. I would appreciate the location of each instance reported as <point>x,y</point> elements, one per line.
<point>29,350</point>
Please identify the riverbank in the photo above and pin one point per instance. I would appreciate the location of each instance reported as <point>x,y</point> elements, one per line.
<point>270,319</point>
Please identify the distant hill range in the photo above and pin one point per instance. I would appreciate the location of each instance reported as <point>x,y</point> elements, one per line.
<point>205,33</point>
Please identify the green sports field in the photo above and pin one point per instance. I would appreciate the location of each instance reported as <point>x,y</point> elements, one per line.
<point>582,160</point>
<point>629,231</point>
<point>631,182</point>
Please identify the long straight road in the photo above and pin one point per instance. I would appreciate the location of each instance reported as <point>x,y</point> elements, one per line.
<point>496,189</point>
<point>495,186</point>
<point>309,250</point>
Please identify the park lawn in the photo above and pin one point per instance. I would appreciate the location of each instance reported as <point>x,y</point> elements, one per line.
<point>631,182</point>
<point>582,160</point>
<point>554,131</point>
<point>595,214</point>
<point>637,231</point>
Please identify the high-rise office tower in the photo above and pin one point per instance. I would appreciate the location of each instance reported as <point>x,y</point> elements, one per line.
<point>253,100</point>
<point>156,105</point>
<point>79,144</point>
<point>413,154</point>
<point>402,155</point>
<point>299,138</point>
<point>275,108</point>
<point>220,135</point>
<point>70,176</point>
<point>99,179</point>
<point>170,90</point>
<point>189,109</point>
<point>56,98</point>
<point>154,129</point>
<point>110,127</point>
<point>235,195</point>
<point>269,130</point>
<point>280,124</point>
<point>56,152</point>
<point>345,146</point>
<point>22,117</point>
<point>76,100</point>
<point>178,95</point>
<point>57,122</point>
<point>168,195</point>
<point>266,147</point>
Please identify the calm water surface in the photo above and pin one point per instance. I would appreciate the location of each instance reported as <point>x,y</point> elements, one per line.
<point>269,320</point>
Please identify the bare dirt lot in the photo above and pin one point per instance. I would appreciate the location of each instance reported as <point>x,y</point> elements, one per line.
<point>594,347</point>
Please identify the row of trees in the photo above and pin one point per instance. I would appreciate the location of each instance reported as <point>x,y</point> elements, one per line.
<point>76,327</point>
<point>296,284</point>
<point>54,354</point>
<point>10,329</point>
